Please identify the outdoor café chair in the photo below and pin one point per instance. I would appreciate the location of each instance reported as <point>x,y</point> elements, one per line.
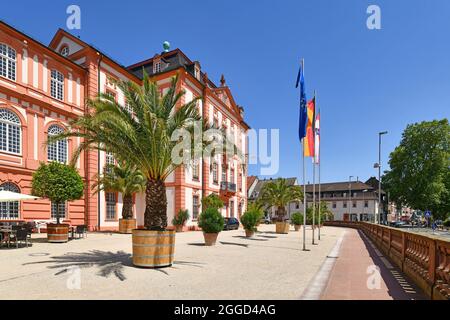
<point>81,231</point>
<point>20,235</point>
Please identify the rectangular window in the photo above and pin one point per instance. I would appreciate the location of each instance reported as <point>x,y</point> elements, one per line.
<point>366,204</point>
<point>195,207</point>
<point>110,161</point>
<point>110,198</point>
<point>215,173</point>
<point>354,204</point>
<point>57,85</point>
<point>7,62</point>
<point>195,170</point>
<point>9,210</point>
<point>62,211</point>
<point>345,204</point>
<point>157,67</point>
<point>224,173</point>
<point>232,175</point>
<point>334,205</point>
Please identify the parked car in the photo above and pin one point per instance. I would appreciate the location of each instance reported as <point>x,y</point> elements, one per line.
<point>231,224</point>
<point>399,224</point>
<point>266,220</point>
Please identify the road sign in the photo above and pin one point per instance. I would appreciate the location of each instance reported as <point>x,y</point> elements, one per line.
<point>427,214</point>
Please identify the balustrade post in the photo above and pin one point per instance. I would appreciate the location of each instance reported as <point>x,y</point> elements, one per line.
<point>432,261</point>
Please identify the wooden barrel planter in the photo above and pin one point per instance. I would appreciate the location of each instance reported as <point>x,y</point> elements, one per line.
<point>127,225</point>
<point>282,227</point>
<point>153,249</point>
<point>179,228</point>
<point>57,233</point>
<point>297,227</point>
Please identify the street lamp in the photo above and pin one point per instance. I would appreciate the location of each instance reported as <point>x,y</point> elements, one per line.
<point>378,166</point>
<point>350,197</point>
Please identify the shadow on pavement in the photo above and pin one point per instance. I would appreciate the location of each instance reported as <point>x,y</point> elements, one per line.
<point>252,239</point>
<point>395,290</point>
<point>110,263</point>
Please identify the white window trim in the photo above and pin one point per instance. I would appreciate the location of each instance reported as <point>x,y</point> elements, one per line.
<point>56,81</point>
<point>10,59</point>
<point>58,153</point>
<point>11,123</point>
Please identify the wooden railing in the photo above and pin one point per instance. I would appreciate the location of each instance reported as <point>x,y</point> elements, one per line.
<point>425,259</point>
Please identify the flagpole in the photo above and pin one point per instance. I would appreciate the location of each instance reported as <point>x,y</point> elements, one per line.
<point>304,196</point>
<point>319,164</point>
<point>304,179</point>
<point>314,175</point>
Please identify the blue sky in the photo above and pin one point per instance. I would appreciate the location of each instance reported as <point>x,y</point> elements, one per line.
<point>367,80</point>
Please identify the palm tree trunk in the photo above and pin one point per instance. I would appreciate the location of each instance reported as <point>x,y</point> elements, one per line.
<point>155,216</point>
<point>127,209</point>
<point>280,213</point>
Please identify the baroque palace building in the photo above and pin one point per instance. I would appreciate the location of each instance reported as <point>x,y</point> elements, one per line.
<point>43,87</point>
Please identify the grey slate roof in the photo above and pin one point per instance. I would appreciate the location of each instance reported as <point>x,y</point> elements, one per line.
<point>260,184</point>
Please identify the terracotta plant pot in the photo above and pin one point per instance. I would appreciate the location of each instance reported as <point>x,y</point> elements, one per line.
<point>57,233</point>
<point>179,228</point>
<point>249,233</point>
<point>297,227</point>
<point>282,227</point>
<point>210,238</point>
<point>127,225</point>
<point>153,249</point>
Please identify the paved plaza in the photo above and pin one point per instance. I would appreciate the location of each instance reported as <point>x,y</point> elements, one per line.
<point>268,266</point>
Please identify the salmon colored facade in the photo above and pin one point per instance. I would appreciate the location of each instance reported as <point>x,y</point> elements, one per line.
<point>43,87</point>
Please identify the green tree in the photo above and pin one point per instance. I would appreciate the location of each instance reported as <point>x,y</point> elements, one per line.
<point>58,183</point>
<point>279,193</point>
<point>325,213</point>
<point>212,201</point>
<point>256,206</point>
<point>419,174</point>
<point>123,178</point>
<point>147,134</point>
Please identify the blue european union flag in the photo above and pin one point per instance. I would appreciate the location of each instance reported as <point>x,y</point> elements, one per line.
<point>303,116</point>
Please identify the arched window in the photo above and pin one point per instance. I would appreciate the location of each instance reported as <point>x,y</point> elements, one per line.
<point>10,132</point>
<point>57,85</point>
<point>57,151</point>
<point>7,62</point>
<point>9,210</point>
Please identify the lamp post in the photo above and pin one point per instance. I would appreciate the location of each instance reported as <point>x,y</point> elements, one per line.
<point>350,197</point>
<point>378,166</point>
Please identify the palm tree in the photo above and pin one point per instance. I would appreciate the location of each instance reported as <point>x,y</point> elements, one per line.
<point>279,194</point>
<point>144,135</point>
<point>125,179</point>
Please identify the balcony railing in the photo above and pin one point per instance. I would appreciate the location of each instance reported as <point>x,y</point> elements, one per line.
<point>228,187</point>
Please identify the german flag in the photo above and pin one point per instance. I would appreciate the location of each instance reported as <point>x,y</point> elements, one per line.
<point>310,128</point>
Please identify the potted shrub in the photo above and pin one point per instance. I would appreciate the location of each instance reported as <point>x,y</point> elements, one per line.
<point>58,183</point>
<point>212,201</point>
<point>143,135</point>
<point>297,220</point>
<point>128,180</point>
<point>211,222</point>
<point>180,220</point>
<point>250,220</point>
<point>279,193</point>
<point>258,207</point>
